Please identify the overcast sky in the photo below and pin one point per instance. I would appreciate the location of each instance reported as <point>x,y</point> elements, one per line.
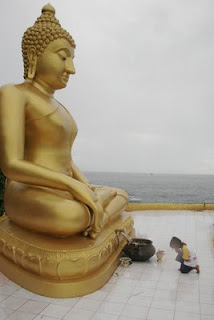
<point>142,95</point>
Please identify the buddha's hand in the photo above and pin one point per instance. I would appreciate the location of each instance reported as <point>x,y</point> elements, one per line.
<point>94,186</point>
<point>84,194</point>
<point>97,222</point>
<point>96,225</point>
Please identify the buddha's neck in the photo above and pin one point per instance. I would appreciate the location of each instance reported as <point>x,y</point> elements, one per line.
<point>42,86</point>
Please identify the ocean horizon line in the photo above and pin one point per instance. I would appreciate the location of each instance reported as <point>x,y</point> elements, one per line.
<point>149,173</point>
<point>158,187</point>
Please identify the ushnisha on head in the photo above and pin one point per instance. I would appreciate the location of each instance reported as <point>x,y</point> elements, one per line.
<point>36,38</point>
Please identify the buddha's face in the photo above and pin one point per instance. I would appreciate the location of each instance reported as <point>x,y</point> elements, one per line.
<point>56,64</point>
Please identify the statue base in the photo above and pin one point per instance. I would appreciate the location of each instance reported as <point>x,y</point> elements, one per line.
<point>61,267</point>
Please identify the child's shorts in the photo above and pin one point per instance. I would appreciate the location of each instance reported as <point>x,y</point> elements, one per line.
<point>183,267</point>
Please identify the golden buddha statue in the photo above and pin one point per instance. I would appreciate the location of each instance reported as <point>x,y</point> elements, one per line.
<point>37,133</point>
<point>45,191</point>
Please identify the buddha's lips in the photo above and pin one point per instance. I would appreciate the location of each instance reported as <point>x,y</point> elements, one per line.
<point>65,78</point>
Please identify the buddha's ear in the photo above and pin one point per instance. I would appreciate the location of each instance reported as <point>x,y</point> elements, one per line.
<point>32,58</point>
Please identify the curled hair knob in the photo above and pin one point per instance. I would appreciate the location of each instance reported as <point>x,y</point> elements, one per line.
<point>48,8</point>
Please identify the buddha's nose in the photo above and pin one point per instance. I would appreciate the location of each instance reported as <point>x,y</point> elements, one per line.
<point>70,66</point>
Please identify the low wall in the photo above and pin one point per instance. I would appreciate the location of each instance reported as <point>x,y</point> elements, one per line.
<point>135,206</point>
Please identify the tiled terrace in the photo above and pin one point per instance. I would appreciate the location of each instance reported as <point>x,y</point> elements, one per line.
<point>144,290</point>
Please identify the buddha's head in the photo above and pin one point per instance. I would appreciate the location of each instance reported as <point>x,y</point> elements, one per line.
<point>44,45</point>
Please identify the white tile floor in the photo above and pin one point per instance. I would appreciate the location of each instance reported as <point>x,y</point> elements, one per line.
<point>145,290</point>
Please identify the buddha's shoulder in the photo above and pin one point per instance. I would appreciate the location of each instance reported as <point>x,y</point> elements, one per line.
<point>12,90</point>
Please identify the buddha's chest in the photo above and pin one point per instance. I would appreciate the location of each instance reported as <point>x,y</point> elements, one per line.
<point>48,118</point>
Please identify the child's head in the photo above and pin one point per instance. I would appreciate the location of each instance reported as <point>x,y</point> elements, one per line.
<point>175,243</point>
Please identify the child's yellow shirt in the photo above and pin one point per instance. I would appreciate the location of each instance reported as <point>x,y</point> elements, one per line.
<point>185,253</point>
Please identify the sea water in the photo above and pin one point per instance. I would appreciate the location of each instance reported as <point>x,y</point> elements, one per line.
<point>159,188</point>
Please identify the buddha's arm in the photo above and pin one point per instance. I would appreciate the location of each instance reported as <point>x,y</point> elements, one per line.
<point>12,135</point>
<point>77,174</point>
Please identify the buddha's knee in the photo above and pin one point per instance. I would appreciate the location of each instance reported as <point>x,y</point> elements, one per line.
<point>116,207</point>
<point>122,193</point>
<point>70,218</point>
<point>47,213</point>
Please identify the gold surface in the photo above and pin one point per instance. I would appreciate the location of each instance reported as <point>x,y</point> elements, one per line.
<point>45,190</point>
<point>55,214</point>
<point>65,267</point>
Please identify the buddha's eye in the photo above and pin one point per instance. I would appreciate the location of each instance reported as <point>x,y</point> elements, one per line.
<point>62,55</point>
<point>63,58</point>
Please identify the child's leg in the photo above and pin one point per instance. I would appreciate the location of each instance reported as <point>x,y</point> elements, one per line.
<point>197,268</point>
<point>185,269</point>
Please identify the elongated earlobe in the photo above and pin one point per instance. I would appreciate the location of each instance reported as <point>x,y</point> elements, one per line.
<point>31,71</point>
<point>32,58</point>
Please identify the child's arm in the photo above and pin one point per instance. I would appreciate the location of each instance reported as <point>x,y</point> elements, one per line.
<point>178,250</point>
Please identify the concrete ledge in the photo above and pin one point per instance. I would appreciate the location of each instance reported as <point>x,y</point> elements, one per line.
<point>170,206</point>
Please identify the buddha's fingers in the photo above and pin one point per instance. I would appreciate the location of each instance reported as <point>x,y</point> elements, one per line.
<point>86,231</point>
<point>93,234</point>
<point>96,223</point>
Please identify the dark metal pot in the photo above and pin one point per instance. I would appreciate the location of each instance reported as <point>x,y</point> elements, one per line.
<point>141,251</point>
